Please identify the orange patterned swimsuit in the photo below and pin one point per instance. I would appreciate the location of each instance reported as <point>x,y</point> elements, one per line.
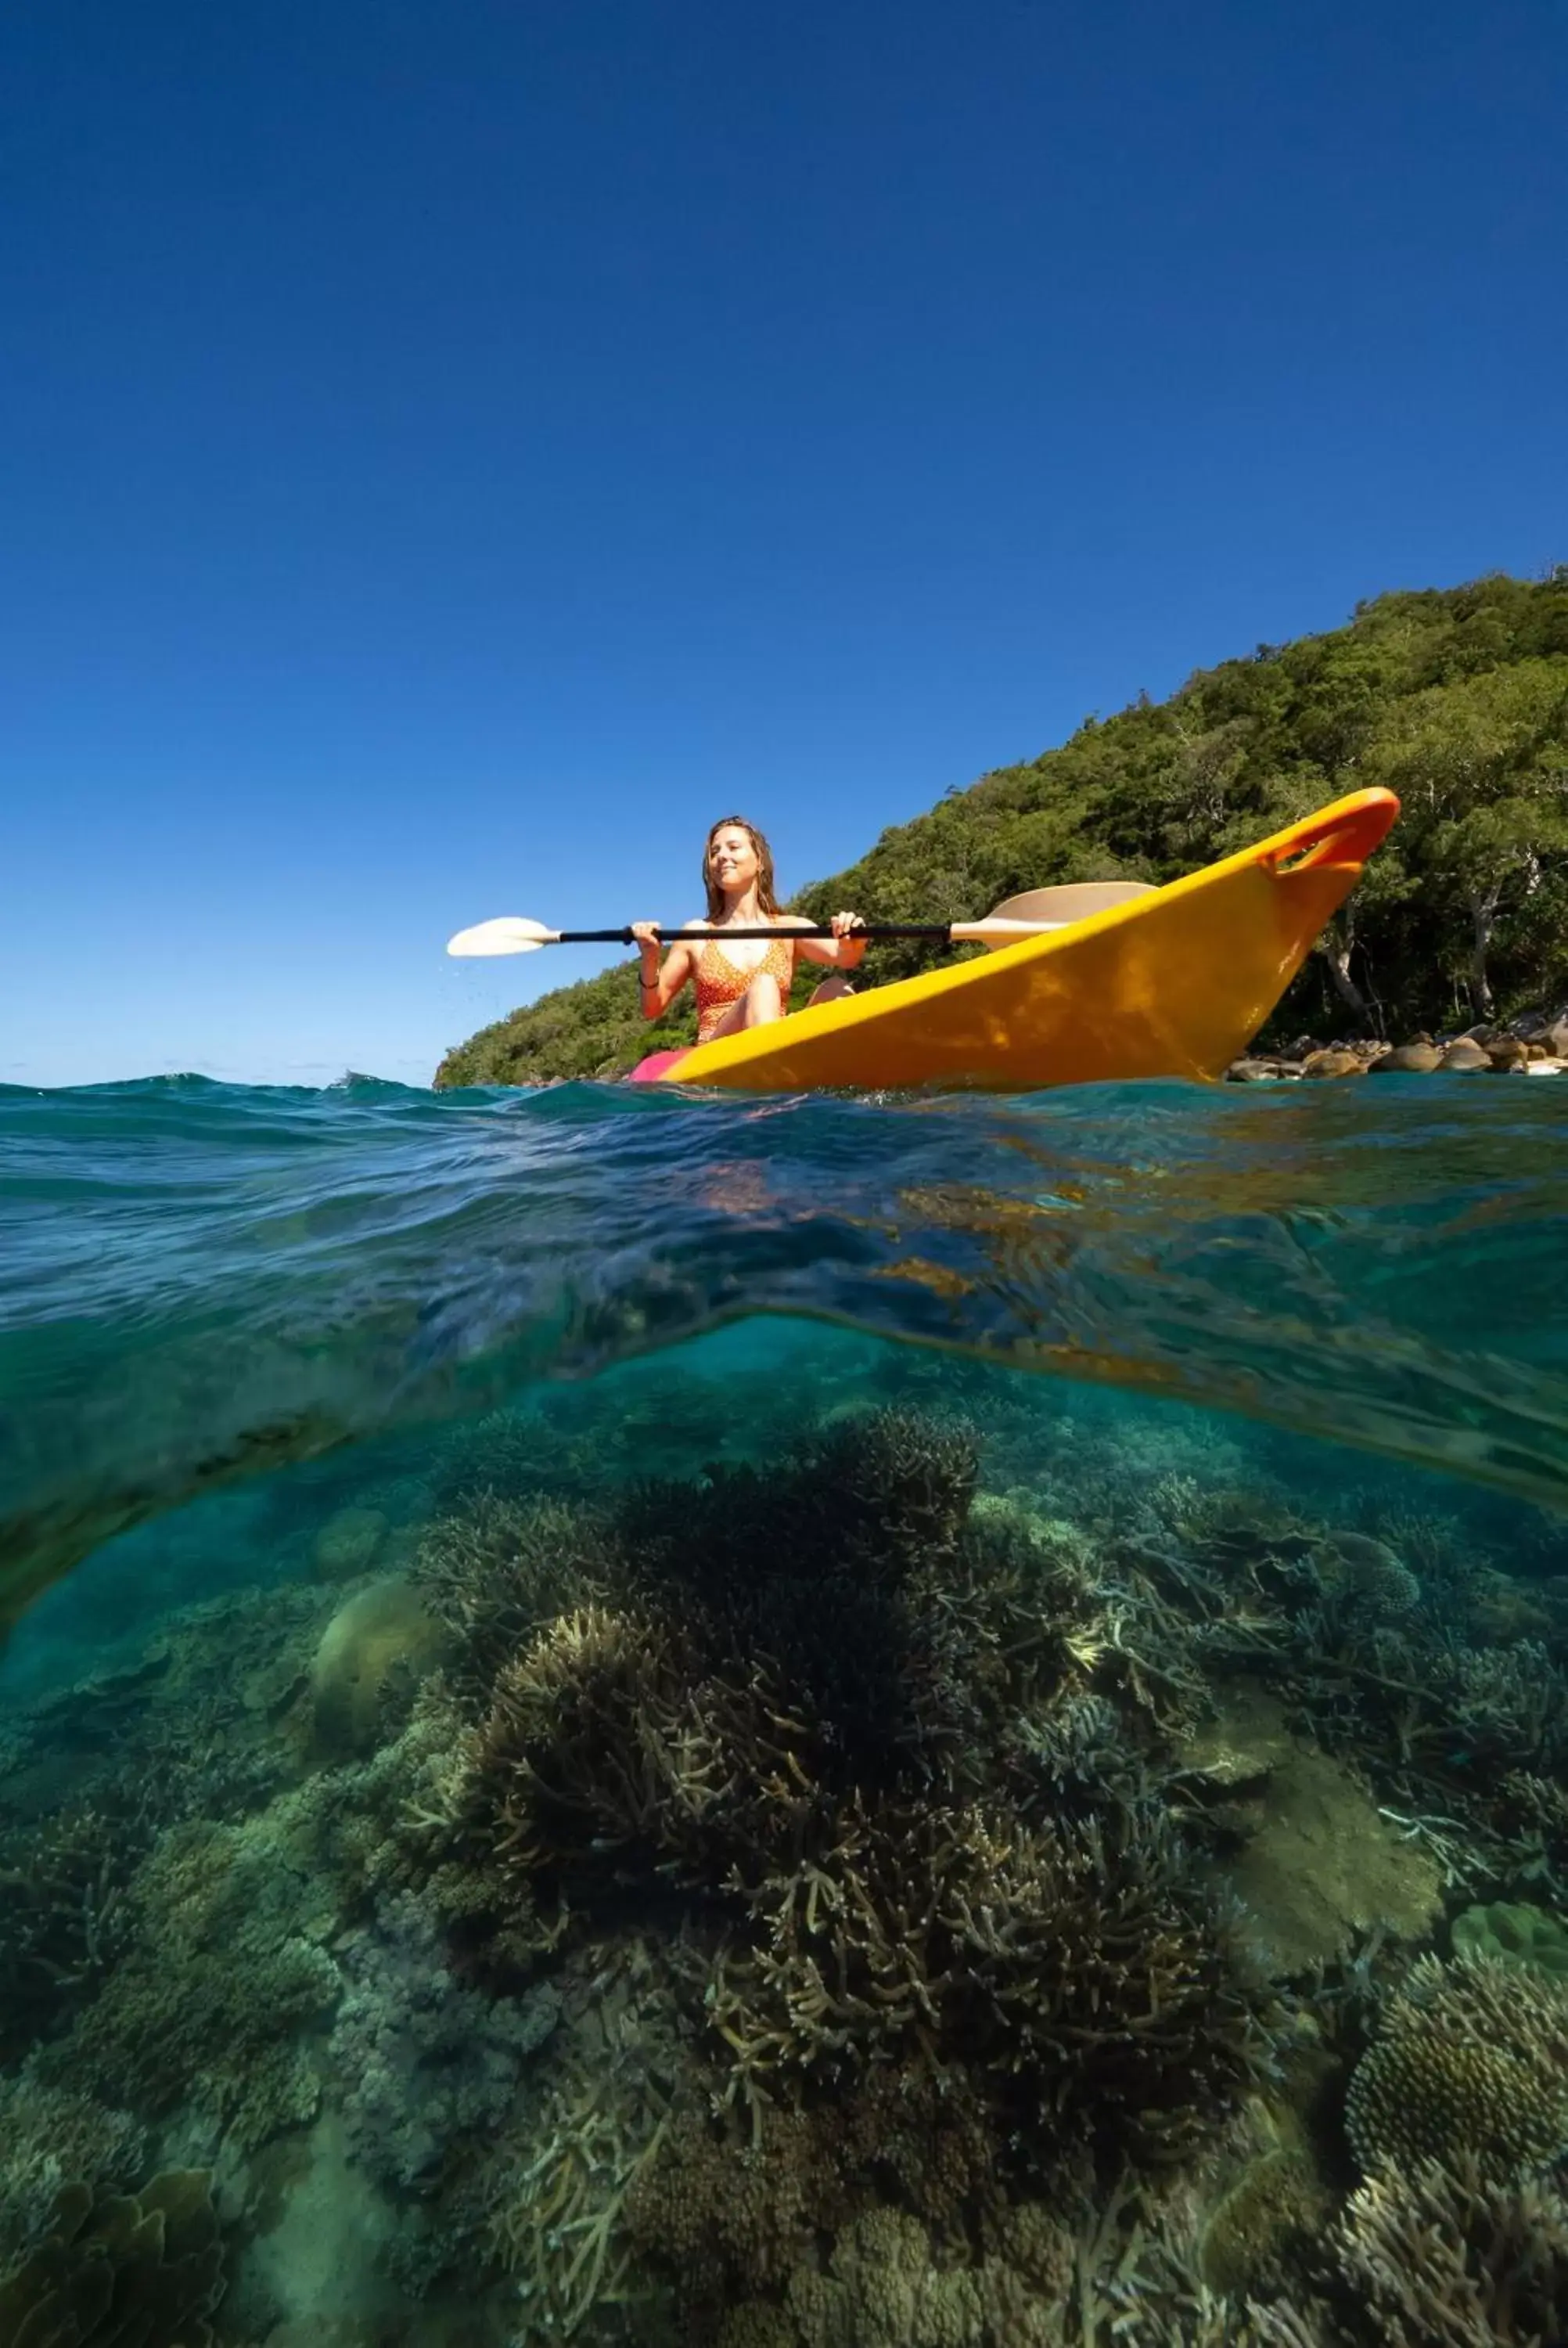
<point>721,981</point>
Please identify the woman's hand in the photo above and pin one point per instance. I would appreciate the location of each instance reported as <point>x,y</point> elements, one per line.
<point>851,948</point>
<point>651,976</point>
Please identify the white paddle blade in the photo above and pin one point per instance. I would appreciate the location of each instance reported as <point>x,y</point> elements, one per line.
<point>512,933</point>
<point>1041,910</point>
<point>1069,901</point>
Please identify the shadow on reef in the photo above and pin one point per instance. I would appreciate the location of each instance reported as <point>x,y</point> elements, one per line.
<point>820,1902</point>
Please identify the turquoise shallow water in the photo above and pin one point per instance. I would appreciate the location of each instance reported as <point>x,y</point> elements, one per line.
<point>201,1280</point>
<point>1009,1451</point>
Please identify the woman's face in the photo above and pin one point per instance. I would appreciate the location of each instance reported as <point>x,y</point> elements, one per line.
<point>732,859</point>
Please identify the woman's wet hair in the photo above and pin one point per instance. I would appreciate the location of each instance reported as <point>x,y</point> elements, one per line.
<point>766,901</point>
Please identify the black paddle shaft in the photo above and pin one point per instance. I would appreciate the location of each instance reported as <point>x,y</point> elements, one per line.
<point>938,932</point>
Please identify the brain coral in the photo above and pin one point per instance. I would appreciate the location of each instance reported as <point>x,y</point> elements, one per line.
<point>1471,2059</point>
<point>1517,1933</point>
<point>379,1642</point>
<point>1370,1575</point>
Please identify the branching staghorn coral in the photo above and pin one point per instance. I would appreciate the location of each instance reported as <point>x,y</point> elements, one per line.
<point>710,1743</point>
<point>1074,1758</point>
<point>1439,1703</point>
<point>822,1569</point>
<point>609,1748</point>
<point>765,1647</point>
<point>1512,1706</point>
<point>740,1744</point>
<point>1531,1816</point>
<point>561,2171</point>
<point>1079,1975</point>
<point>1446,2257</point>
<point>560,2229</point>
<point>1440,2257</point>
<point>506,1454</point>
<point>1139,2281</point>
<point>864,1742</point>
<point>64,1917</point>
<point>1224,1523</point>
<point>497,1570</point>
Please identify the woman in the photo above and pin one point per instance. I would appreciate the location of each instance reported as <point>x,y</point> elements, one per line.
<point>748,984</point>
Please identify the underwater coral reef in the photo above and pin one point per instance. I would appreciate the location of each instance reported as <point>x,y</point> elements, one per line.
<point>933,1871</point>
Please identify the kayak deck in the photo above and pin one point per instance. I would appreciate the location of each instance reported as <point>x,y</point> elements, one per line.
<point>1173,983</point>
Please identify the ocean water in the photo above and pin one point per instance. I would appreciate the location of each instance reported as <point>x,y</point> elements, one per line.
<point>633,1717</point>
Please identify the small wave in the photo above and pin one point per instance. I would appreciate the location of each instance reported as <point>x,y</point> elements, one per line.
<point>204,1279</point>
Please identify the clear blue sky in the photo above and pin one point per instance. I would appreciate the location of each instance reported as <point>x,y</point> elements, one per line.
<point>448,454</point>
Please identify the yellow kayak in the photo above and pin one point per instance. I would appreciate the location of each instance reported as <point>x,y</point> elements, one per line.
<point>1174,982</point>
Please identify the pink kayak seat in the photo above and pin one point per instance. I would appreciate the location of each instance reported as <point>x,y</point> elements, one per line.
<point>656,1064</point>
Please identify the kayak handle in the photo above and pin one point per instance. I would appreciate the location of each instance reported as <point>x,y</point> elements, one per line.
<point>1344,833</point>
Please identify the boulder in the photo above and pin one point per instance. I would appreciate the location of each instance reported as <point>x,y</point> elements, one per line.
<point>1462,1054</point>
<point>1252,1072</point>
<point>1409,1060</point>
<point>1336,1061</point>
<point>1507,1052</point>
<point>1539,1026</point>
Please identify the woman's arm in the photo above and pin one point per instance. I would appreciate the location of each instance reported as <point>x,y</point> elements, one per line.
<point>843,951</point>
<point>659,982</point>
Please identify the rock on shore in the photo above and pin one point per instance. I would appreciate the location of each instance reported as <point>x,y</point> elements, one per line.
<point>1533,1045</point>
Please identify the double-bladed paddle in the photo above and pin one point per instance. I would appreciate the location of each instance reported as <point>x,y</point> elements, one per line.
<point>1029,916</point>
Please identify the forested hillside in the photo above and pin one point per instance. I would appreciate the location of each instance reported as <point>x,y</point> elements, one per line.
<point>1457,699</point>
